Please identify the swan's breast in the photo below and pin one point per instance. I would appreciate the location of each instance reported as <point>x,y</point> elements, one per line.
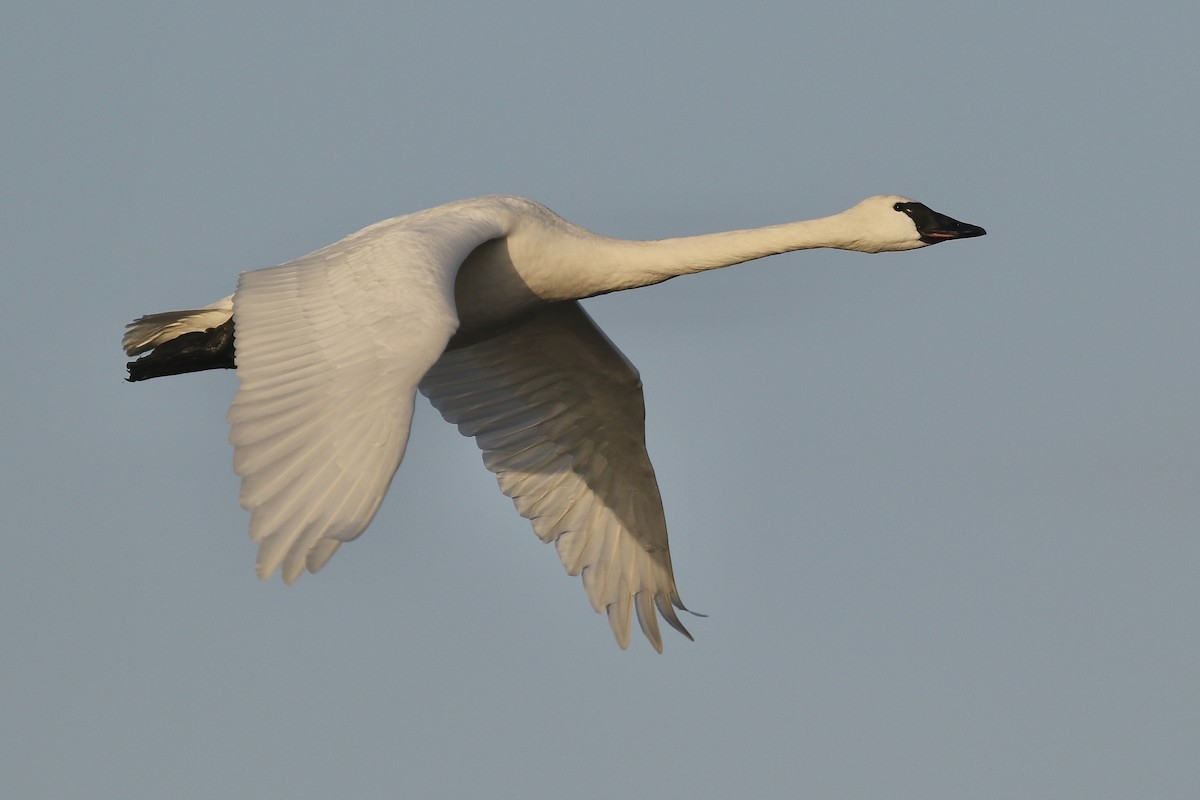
<point>489,290</point>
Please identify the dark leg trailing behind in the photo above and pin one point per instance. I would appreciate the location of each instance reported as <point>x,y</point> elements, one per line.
<point>191,352</point>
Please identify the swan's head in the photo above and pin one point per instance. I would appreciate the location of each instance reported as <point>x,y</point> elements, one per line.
<point>890,222</point>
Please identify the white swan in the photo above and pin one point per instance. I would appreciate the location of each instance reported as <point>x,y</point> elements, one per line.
<point>473,303</point>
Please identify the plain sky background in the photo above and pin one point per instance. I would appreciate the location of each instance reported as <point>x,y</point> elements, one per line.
<point>941,507</point>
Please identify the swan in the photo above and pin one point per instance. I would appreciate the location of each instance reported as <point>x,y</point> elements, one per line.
<point>474,303</point>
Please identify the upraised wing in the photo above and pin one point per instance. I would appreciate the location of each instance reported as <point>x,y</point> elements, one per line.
<point>330,349</point>
<point>558,412</point>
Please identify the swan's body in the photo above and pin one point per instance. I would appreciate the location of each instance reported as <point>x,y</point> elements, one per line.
<point>472,302</point>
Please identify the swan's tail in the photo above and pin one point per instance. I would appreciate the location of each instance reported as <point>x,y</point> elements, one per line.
<point>181,341</point>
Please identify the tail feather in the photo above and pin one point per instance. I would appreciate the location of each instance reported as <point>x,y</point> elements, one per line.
<point>181,341</point>
<point>152,330</point>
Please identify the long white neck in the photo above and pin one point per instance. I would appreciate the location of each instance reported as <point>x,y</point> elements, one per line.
<point>560,261</point>
<point>530,255</point>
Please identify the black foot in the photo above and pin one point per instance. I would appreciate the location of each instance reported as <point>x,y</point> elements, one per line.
<point>191,352</point>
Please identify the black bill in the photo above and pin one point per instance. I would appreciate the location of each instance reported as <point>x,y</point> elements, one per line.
<point>935,227</point>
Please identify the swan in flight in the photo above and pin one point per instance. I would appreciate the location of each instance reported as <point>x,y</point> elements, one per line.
<point>474,303</point>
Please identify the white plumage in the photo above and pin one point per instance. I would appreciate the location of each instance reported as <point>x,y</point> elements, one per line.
<point>332,347</point>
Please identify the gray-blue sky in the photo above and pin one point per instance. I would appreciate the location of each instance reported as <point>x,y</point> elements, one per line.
<point>940,506</point>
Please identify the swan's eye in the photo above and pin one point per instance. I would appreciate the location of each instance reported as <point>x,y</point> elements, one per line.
<point>897,207</point>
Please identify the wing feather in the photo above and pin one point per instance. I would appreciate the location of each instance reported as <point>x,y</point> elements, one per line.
<point>330,349</point>
<point>558,413</point>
